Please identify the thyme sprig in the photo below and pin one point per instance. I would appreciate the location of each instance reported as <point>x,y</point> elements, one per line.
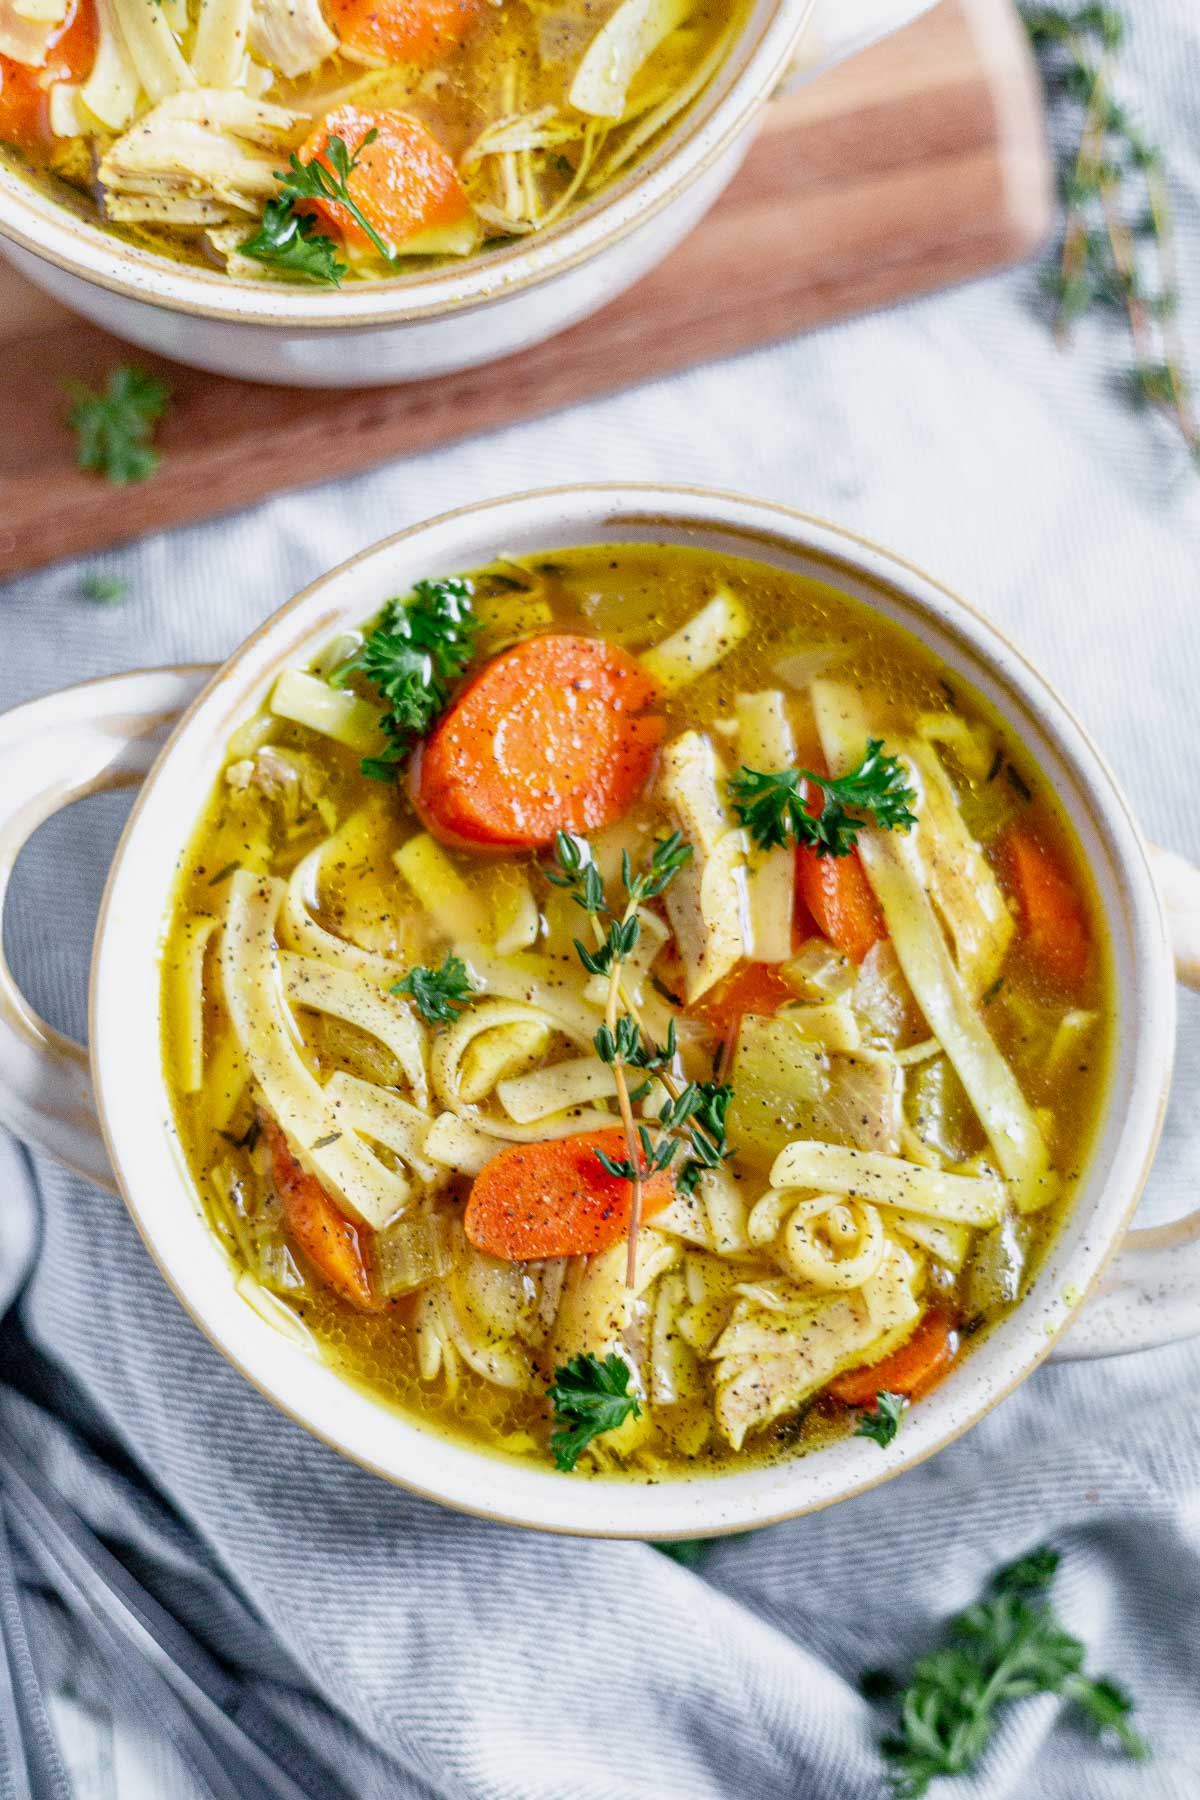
<point>692,1118</point>
<point>1117,247</point>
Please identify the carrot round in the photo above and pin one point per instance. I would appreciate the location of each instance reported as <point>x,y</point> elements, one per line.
<point>752,988</point>
<point>324,1233</point>
<point>404,183</point>
<point>557,1198</point>
<point>403,31</point>
<point>1053,922</point>
<point>912,1370</point>
<point>840,899</point>
<point>25,92</point>
<point>551,736</point>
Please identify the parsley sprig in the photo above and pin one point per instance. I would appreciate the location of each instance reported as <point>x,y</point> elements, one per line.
<point>293,242</point>
<point>412,656</point>
<point>589,1397</point>
<point>439,995</point>
<point>1008,1645</point>
<point>884,1422</point>
<point>290,240</point>
<point>115,427</point>
<point>774,806</point>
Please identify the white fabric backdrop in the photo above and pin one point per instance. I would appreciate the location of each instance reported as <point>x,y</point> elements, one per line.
<point>471,1660</point>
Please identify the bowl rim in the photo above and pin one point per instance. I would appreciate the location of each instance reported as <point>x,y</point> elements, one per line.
<point>436,1467</point>
<point>716,119</point>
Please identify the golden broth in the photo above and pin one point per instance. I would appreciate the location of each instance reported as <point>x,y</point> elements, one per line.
<point>1056,1041</point>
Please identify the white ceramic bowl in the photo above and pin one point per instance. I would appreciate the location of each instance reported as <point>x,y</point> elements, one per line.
<point>459,315</point>
<point>110,732</point>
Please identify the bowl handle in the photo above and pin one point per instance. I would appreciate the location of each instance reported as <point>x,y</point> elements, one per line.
<point>83,740</point>
<point>1150,1294</point>
<point>106,734</point>
<point>837,30</point>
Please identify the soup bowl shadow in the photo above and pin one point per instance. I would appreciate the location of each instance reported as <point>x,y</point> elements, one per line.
<point>108,1113</point>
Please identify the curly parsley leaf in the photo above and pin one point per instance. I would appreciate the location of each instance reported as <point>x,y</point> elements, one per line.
<point>291,241</point>
<point>104,590</point>
<point>884,1422</point>
<point>589,1397</point>
<point>774,806</point>
<point>115,428</point>
<point>411,656</point>
<point>439,995</point>
<point>1008,1645</point>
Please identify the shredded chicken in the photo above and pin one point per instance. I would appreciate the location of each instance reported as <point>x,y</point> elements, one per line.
<point>290,35</point>
<point>211,153</point>
<point>706,902</point>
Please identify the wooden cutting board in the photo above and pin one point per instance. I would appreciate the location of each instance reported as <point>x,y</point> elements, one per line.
<point>920,163</point>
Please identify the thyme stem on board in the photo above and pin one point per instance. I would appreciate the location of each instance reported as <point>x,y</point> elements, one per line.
<point>1117,249</point>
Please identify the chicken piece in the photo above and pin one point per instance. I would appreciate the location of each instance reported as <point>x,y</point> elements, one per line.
<point>706,902</point>
<point>290,35</point>
<point>208,156</point>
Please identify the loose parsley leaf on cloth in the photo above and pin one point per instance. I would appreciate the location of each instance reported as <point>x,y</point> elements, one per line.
<point>439,995</point>
<point>418,648</point>
<point>691,1552</point>
<point>589,1397</point>
<point>883,1424</point>
<point>114,428</point>
<point>105,590</point>
<point>290,240</point>
<point>304,250</point>
<point>1008,1645</point>
<point>773,806</point>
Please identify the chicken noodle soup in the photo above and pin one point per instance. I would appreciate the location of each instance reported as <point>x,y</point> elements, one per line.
<point>635,1010</point>
<point>316,140</point>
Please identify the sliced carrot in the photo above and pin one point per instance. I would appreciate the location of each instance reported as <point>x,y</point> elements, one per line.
<point>557,1199</point>
<point>403,31</point>
<point>550,736</point>
<point>837,894</point>
<point>912,1370</point>
<point>1054,923</point>
<point>327,1237</point>
<point>404,182</point>
<point>25,92</point>
<point>751,988</point>
<point>22,105</point>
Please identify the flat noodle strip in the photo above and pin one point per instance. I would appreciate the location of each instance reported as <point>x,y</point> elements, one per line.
<point>452,1045</point>
<point>111,90</point>
<point>308,982</point>
<point>895,874</point>
<point>301,931</point>
<point>539,982</point>
<point>890,1181</point>
<point>527,1098</point>
<point>152,49</point>
<point>254,996</point>
<point>383,1116</point>
<point>219,53</point>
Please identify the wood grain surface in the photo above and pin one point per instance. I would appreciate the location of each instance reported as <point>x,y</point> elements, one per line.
<point>918,164</point>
